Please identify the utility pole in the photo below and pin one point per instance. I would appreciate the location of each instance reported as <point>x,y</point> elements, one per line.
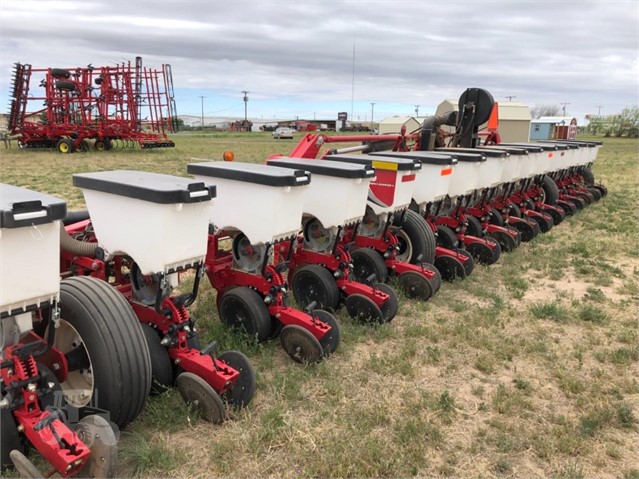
<point>372,113</point>
<point>599,107</point>
<point>510,97</point>
<point>564,105</point>
<point>417,110</point>
<point>202,118</point>
<point>245,106</point>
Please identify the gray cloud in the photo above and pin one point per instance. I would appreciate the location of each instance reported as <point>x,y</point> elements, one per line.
<point>406,51</point>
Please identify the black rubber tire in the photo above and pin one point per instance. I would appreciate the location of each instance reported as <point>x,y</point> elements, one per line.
<point>161,365</point>
<point>324,288</point>
<point>436,282</point>
<point>579,203</point>
<point>450,268</point>
<point>114,340</point>
<point>569,207</point>
<point>588,176</point>
<point>65,85</point>
<point>526,230</point>
<point>482,253</point>
<point>65,146</point>
<point>368,262</point>
<point>469,264</point>
<point>474,227</point>
<point>415,285</point>
<point>422,239</point>
<point>586,197</point>
<point>596,194</point>
<point>496,218</point>
<point>9,438</point>
<point>515,210</point>
<point>391,306</point>
<point>545,222</point>
<point>60,73</point>
<point>551,191</point>
<point>446,237</point>
<point>331,340</point>
<point>557,215</point>
<point>506,241</point>
<point>243,309</point>
<point>243,390</point>
<point>84,146</point>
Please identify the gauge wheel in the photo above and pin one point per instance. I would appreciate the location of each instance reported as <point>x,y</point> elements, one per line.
<point>161,365</point>
<point>201,397</point>
<point>446,237</point>
<point>474,227</point>
<point>105,348</point>
<point>314,283</point>
<point>244,310</point>
<point>331,340</point>
<point>369,266</point>
<point>244,386</point>
<point>300,344</point>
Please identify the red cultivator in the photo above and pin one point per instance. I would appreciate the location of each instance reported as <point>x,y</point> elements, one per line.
<point>120,105</point>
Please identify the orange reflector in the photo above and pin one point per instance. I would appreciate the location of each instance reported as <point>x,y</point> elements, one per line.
<point>550,155</point>
<point>228,155</point>
<point>493,120</point>
<point>446,171</point>
<point>406,178</point>
<point>385,165</point>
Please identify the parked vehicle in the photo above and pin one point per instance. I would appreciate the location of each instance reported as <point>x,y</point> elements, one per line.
<point>283,132</point>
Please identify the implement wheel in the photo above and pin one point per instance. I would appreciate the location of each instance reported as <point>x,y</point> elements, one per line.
<point>331,340</point>
<point>300,344</point>
<point>105,347</point>
<point>368,262</point>
<point>313,282</point>
<point>243,389</point>
<point>416,239</point>
<point>65,146</point>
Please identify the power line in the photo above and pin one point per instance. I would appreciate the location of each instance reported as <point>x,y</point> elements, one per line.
<point>202,118</point>
<point>417,110</point>
<point>599,107</point>
<point>510,97</point>
<point>564,105</point>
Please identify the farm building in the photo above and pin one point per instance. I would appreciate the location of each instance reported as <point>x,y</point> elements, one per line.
<point>553,128</point>
<point>393,124</point>
<point>514,119</point>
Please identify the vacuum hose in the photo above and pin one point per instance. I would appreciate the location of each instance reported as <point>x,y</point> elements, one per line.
<point>429,138</point>
<point>80,248</point>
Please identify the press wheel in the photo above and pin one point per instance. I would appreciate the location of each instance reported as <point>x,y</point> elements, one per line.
<point>436,281</point>
<point>244,386</point>
<point>415,285</point>
<point>391,306</point>
<point>24,466</point>
<point>97,434</point>
<point>363,309</point>
<point>331,340</point>
<point>450,268</point>
<point>300,344</point>
<point>198,394</point>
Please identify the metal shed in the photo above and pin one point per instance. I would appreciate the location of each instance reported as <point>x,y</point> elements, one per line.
<point>553,128</point>
<point>514,119</point>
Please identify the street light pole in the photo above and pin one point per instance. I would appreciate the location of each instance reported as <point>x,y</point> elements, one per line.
<point>372,113</point>
<point>564,105</point>
<point>246,99</point>
<point>417,111</point>
<point>202,117</point>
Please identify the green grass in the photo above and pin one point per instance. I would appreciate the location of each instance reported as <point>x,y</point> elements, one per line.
<point>526,368</point>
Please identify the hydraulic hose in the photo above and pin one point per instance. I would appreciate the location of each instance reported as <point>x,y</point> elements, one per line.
<point>80,248</point>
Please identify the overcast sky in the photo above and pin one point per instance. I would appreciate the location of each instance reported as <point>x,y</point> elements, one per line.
<point>296,57</point>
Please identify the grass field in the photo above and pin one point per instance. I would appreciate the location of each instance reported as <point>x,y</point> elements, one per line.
<point>526,369</point>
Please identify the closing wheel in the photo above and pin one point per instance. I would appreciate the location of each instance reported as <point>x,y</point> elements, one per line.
<point>300,344</point>
<point>391,305</point>
<point>483,253</point>
<point>24,466</point>
<point>446,237</point>
<point>585,196</point>
<point>506,241</point>
<point>466,260</point>
<point>201,397</point>
<point>363,309</point>
<point>105,347</point>
<point>526,229</point>
<point>243,309</point>
<point>65,146</point>
<point>557,215</point>
<point>415,285</point>
<point>601,188</point>
<point>569,207</point>
<point>331,340</point>
<point>474,227</point>
<point>436,281</point>
<point>97,434</point>
<point>244,386</point>
<point>161,366</point>
<point>579,203</point>
<point>313,282</point>
<point>515,210</point>
<point>368,262</point>
<point>450,268</point>
<point>416,239</point>
<point>596,194</point>
<point>544,221</point>
<point>495,217</point>
<point>9,438</point>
